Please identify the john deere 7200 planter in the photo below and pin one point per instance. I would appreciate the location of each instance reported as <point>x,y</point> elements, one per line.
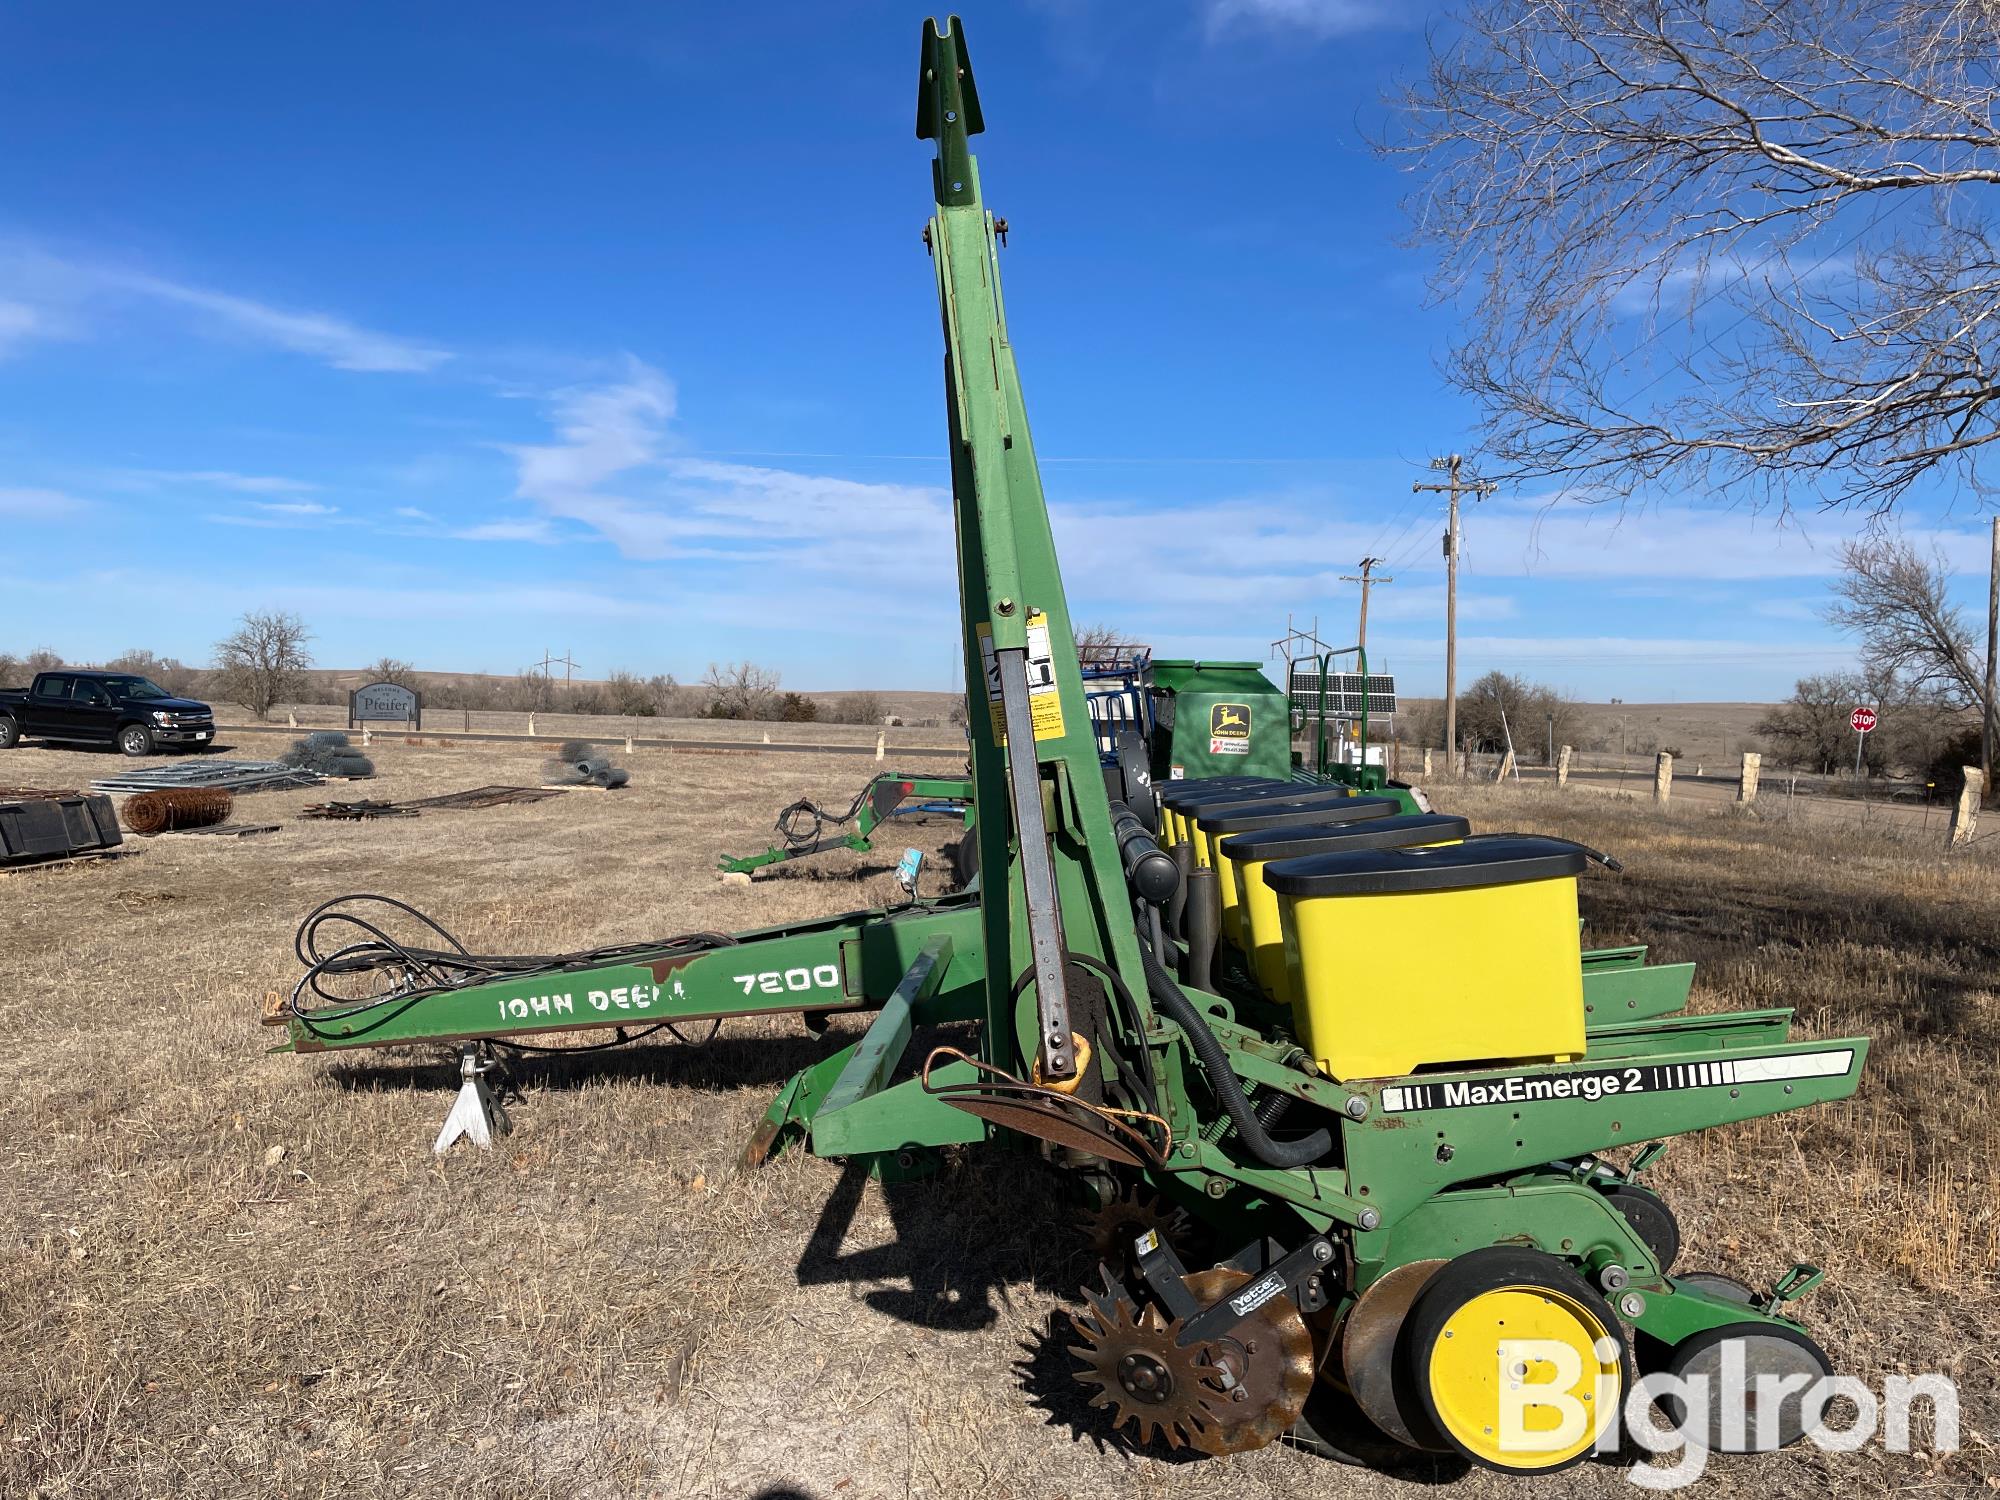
<point>1332,1077</point>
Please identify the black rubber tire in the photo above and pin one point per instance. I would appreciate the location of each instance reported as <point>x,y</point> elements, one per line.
<point>1793,1349</point>
<point>1651,1219</point>
<point>135,740</point>
<point>964,856</point>
<point>10,733</point>
<point>1468,1276</point>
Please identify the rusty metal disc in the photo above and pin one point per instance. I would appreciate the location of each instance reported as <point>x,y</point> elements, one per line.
<point>1368,1350</point>
<point>1238,1393</point>
<point>1112,1226</point>
<point>1033,1114</point>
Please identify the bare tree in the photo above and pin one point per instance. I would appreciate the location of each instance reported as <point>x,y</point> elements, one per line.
<point>1535,714</point>
<point>531,692</point>
<point>41,659</point>
<point>642,697</point>
<point>858,708</point>
<point>1896,599</point>
<point>1920,725</point>
<point>263,660</point>
<point>740,690</point>
<point>1101,642</point>
<point>1741,242</point>
<point>169,672</point>
<point>389,669</point>
<point>1810,728</point>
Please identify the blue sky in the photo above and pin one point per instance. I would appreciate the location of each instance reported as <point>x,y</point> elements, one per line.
<point>472,331</point>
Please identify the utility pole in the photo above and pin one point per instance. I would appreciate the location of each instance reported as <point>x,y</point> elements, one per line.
<point>1454,486</point>
<point>1367,580</point>
<point>1992,649</point>
<point>550,661</point>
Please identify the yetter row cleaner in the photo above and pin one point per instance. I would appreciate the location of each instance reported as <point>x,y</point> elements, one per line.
<point>1333,1078</point>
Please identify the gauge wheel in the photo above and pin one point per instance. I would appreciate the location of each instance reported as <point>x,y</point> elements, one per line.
<point>1647,1212</point>
<point>1504,1320</point>
<point>1734,1421</point>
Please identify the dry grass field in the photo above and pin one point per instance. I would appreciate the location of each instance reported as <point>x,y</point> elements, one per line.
<point>232,1274</point>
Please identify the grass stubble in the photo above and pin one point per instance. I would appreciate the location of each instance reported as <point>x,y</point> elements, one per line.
<point>233,1274</point>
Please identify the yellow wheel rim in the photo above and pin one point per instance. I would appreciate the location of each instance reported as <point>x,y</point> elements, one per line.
<point>1524,1377</point>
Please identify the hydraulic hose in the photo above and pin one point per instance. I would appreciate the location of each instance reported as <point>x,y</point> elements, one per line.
<point>1222,1078</point>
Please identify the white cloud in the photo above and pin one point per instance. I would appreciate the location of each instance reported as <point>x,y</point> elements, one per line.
<point>1315,18</point>
<point>605,431</point>
<point>51,291</point>
<point>613,471</point>
<point>531,530</point>
<point>294,507</point>
<point>152,480</point>
<point>18,323</point>
<point>1583,651</point>
<point>1236,563</point>
<point>1790,609</point>
<point>411,513</point>
<point>39,505</point>
<point>342,344</point>
<point>249,484</point>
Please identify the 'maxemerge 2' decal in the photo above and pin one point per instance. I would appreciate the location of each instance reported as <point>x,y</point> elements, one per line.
<point>1602,1083</point>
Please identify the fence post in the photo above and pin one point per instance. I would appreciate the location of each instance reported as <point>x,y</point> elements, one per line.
<point>1663,778</point>
<point>1965,816</point>
<point>531,725</point>
<point>1461,763</point>
<point>881,744</point>
<point>1427,765</point>
<point>1746,782</point>
<point>1506,765</point>
<point>1562,766</point>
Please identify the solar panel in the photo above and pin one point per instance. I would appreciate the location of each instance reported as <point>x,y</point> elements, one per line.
<point>1344,692</point>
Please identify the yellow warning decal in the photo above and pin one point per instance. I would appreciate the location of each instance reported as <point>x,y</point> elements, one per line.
<point>1044,698</point>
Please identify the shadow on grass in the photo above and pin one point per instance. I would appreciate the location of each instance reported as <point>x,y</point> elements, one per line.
<point>962,1238</point>
<point>720,1065</point>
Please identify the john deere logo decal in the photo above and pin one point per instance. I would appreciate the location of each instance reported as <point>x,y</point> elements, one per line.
<point>1229,729</point>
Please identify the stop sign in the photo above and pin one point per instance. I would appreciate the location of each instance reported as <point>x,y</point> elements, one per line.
<point>1863,720</point>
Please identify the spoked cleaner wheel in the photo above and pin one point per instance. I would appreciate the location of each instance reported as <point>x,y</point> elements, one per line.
<point>1516,1360</point>
<point>1228,1395</point>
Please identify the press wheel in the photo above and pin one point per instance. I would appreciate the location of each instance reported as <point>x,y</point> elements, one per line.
<point>1502,1320</point>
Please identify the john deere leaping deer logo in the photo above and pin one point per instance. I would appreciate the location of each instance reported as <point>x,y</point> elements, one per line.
<point>1229,721</point>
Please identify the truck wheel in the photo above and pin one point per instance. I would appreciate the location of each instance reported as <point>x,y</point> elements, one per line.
<point>135,739</point>
<point>10,734</point>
